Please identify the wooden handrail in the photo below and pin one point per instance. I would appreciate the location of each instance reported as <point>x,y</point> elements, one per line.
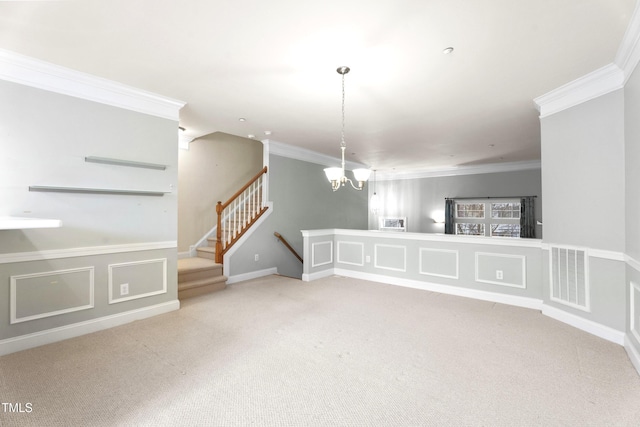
<point>240,191</point>
<point>220,209</point>
<point>284,242</point>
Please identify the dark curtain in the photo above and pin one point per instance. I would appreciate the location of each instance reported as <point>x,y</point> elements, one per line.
<point>449,207</point>
<point>527,218</point>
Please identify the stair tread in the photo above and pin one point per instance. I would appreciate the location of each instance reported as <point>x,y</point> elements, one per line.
<point>206,249</point>
<point>196,264</point>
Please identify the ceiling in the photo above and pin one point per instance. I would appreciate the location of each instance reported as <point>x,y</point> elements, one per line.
<point>408,106</point>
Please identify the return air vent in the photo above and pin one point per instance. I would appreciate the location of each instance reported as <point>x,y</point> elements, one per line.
<point>569,277</point>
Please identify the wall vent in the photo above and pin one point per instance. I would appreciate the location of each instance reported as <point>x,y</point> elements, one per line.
<point>569,277</point>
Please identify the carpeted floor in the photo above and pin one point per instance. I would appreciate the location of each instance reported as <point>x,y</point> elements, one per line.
<point>342,352</point>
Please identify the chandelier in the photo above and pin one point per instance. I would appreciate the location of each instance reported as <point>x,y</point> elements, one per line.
<point>336,175</point>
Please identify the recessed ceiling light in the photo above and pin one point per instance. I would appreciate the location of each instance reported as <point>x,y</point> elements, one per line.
<point>242,119</point>
<point>447,50</point>
<point>267,132</point>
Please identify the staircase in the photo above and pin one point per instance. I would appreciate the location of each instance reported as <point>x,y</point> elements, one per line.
<point>198,276</point>
<point>203,274</point>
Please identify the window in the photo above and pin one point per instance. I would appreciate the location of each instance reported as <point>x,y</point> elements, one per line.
<point>499,218</point>
<point>393,223</point>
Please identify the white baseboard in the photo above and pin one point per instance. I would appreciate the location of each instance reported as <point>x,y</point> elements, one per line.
<point>36,339</point>
<point>604,332</point>
<point>514,300</point>
<point>632,352</point>
<point>252,275</point>
<point>586,325</point>
<point>318,275</point>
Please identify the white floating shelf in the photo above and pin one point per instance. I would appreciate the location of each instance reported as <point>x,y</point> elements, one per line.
<point>120,162</point>
<point>97,191</point>
<point>18,223</point>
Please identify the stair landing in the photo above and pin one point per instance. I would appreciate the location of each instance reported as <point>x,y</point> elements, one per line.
<point>198,276</point>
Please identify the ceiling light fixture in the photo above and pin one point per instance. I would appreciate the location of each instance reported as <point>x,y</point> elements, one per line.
<point>336,175</point>
<point>447,50</point>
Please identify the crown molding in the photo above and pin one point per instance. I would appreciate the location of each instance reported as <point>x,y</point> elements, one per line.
<point>628,55</point>
<point>458,170</point>
<point>298,153</point>
<point>600,82</point>
<point>32,72</point>
<point>595,84</point>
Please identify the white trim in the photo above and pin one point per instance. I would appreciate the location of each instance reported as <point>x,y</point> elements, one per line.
<point>586,325</point>
<point>457,254</point>
<point>514,300</point>
<point>111,267</point>
<point>628,54</point>
<point>313,253</point>
<point>305,155</point>
<point>632,262</point>
<point>14,294</point>
<point>610,255</point>
<point>47,76</point>
<point>595,84</point>
<point>633,288</point>
<point>318,275</point>
<point>252,275</point>
<point>404,257</point>
<point>632,352</point>
<point>350,243</point>
<point>88,251</point>
<point>429,237</point>
<point>458,170</point>
<point>495,282</point>
<point>23,342</point>
<point>591,252</point>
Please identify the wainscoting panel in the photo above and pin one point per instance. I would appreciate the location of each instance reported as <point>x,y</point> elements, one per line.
<point>350,253</point>
<point>634,310</point>
<point>321,253</point>
<point>142,279</point>
<point>439,262</point>
<point>501,269</point>
<point>390,257</point>
<point>38,295</point>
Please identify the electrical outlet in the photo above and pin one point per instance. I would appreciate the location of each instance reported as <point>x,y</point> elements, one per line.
<point>124,289</point>
<point>367,258</point>
<point>256,257</point>
<point>499,275</point>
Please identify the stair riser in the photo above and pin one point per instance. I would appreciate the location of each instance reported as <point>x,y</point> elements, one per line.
<point>199,275</point>
<point>207,255</point>
<point>194,292</point>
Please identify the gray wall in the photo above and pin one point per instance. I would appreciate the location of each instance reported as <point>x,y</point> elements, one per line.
<point>632,198</point>
<point>72,274</point>
<point>583,174</point>
<point>302,200</point>
<point>212,170</point>
<point>419,199</point>
<point>45,138</point>
<point>583,182</point>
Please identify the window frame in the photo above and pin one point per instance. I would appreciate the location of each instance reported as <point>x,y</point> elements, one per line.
<point>488,220</point>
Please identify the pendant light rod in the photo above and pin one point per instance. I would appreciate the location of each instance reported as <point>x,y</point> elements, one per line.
<point>336,176</point>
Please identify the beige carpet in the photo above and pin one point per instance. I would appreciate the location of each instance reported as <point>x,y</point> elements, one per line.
<point>340,352</point>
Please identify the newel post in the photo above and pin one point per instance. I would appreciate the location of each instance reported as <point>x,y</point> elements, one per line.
<point>219,234</point>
